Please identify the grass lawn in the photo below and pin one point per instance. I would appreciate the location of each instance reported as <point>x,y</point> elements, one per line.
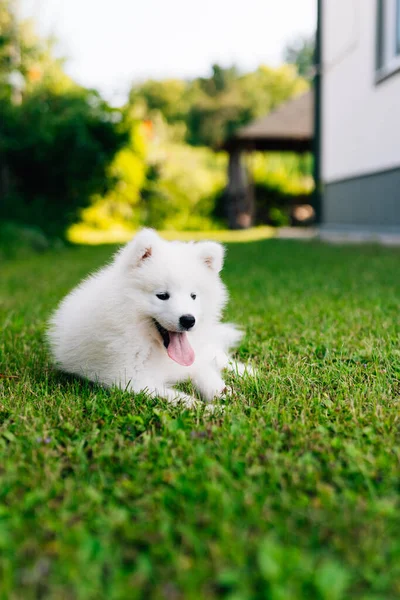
<point>292,493</point>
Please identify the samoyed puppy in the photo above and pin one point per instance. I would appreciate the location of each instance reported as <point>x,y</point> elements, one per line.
<point>149,320</point>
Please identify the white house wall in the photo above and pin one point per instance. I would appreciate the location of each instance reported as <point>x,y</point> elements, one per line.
<point>360,119</point>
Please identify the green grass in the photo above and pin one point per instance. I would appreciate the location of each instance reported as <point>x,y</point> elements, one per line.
<point>292,493</point>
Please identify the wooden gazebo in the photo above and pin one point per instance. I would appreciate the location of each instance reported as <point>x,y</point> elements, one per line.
<point>289,128</point>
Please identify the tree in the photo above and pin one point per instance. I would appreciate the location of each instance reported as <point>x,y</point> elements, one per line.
<point>221,80</point>
<point>24,57</point>
<point>57,148</point>
<point>169,96</point>
<point>122,202</point>
<point>300,52</point>
<point>56,139</point>
<point>211,108</point>
<point>215,116</point>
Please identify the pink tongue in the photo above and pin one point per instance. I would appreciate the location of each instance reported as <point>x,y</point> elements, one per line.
<point>179,349</point>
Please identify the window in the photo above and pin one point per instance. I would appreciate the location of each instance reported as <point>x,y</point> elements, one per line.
<point>398,27</point>
<point>388,38</point>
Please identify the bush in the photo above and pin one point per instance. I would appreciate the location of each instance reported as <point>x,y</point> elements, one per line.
<point>56,149</point>
<point>16,240</point>
<point>121,205</point>
<point>281,181</point>
<point>181,192</point>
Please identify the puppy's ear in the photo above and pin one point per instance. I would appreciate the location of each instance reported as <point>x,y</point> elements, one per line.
<point>140,249</point>
<point>212,255</point>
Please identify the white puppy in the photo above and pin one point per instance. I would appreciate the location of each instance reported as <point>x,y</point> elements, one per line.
<point>149,320</point>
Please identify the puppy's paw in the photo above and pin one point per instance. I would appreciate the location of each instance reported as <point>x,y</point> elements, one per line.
<point>188,402</point>
<point>213,393</point>
<point>177,398</point>
<point>214,409</point>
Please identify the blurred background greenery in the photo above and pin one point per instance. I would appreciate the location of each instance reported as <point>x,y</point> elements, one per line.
<point>74,168</point>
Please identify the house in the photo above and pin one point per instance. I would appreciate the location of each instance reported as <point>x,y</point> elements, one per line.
<point>357,116</point>
<point>351,121</point>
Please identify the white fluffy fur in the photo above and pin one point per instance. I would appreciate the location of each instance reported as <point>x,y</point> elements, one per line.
<point>104,329</point>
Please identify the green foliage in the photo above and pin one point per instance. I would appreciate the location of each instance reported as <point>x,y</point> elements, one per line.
<point>181,193</point>
<point>212,108</point>
<point>300,53</point>
<point>57,148</point>
<point>21,241</point>
<point>290,172</point>
<point>121,204</point>
<point>280,182</point>
<point>56,138</point>
<point>291,493</point>
<point>161,182</point>
<point>170,97</point>
<point>25,58</point>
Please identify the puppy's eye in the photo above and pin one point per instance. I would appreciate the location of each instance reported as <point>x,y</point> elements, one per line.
<point>193,296</point>
<point>163,296</point>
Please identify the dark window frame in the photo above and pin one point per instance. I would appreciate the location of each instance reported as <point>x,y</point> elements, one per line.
<point>397,36</point>
<point>384,67</point>
<point>379,34</point>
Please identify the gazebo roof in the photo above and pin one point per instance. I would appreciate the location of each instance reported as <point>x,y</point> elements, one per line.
<point>288,128</point>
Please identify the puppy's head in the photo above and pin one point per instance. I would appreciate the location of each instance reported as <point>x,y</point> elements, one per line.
<point>175,286</point>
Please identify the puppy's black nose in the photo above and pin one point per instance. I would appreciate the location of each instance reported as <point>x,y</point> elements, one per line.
<point>187,321</point>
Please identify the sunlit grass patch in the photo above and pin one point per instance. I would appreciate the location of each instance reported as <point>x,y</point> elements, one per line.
<point>119,234</point>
